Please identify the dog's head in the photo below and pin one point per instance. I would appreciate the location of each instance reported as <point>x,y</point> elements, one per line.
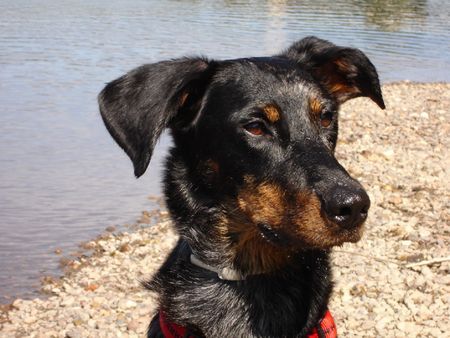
<point>254,141</point>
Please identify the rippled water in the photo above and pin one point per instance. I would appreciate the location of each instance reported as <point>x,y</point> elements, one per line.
<point>63,180</point>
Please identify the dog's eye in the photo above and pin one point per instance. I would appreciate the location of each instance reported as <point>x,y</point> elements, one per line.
<point>256,128</point>
<point>326,118</point>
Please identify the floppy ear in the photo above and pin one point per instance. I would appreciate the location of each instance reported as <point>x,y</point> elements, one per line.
<point>139,105</point>
<point>345,72</point>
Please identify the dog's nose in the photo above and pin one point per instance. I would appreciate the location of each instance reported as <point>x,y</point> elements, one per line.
<point>347,207</point>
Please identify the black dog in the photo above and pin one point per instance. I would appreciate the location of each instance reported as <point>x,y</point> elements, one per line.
<point>252,184</point>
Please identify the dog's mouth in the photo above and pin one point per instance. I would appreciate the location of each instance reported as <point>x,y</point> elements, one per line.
<point>271,235</point>
<point>279,238</point>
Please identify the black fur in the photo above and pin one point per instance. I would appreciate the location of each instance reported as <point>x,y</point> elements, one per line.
<point>225,148</point>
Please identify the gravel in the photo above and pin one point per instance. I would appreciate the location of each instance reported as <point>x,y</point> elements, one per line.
<point>399,155</point>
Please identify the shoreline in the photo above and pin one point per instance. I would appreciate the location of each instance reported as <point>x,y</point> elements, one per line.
<point>97,279</point>
<point>398,154</point>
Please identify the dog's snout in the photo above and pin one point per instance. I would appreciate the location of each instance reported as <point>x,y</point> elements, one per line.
<point>347,207</point>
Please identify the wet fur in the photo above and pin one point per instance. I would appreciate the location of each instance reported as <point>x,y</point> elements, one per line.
<point>223,181</point>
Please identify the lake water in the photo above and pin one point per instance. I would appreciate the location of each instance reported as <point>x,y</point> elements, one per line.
<point>62,178</point>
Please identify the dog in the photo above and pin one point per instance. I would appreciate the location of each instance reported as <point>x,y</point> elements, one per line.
<point>251,183</point>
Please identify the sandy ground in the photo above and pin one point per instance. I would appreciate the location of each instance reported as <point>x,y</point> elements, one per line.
<point>395,282</point>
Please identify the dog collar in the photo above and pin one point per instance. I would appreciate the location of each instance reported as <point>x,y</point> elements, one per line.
<point>224,273</point>
<point>324,329</point>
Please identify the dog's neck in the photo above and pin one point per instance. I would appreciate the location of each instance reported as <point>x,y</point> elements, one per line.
<point>287,303</point>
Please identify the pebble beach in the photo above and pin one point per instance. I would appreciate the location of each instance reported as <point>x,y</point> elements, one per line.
<point>394,282</point>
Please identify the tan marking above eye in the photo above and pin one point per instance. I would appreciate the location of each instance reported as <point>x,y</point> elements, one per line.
<point>272,112</point>
<point>317,110</point>
<point>315,105</point>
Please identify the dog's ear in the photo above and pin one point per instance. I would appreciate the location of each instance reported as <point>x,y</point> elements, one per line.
<point>345,72</point>
<point>139,105</point>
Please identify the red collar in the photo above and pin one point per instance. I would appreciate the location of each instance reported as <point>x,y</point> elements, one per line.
<point>325,329</point>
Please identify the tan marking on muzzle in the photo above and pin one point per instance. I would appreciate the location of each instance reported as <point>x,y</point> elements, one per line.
<point>251,252</point>
<point>298,217</point>
<point>263,203</point>
<point>256,203</point>
<point>313,229</point>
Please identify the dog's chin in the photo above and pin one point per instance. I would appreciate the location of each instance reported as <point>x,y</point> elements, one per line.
<point>348,236</point>
<point>343,236</point>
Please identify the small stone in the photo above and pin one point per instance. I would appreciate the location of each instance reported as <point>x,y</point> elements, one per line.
<point>75,333</point>
<point>407,327</point>
<point>424,115</point>
<point>358,290</point>
<point>81,315</point>
<point>120,322</point>
<point>424,312</point>
<point>68,301</point>
<point>29,320</point>
<point>110,228</point>
<point>388,153</point>
<point>124,247</point>
<point>434,332</point>
<point>426,271</point>
<point>425,233</point>
<point>91,287</point>
<point>126,304</point>
<point>77,322</point>
<point>381,324</point>
<point>133,325</point>
<point>67,288</point>
<point>88,245</point>
<point>51,334</point>
<point>17,303</point>
<point>62,322</point>
<point>92,323</point>
<point>143,311</point>
<point>417,257</point>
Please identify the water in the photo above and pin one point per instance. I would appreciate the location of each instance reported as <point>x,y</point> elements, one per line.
<point>62,178</point>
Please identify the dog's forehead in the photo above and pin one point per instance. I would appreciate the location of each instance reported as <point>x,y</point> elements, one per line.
<point>259,81</point>
<point>266,70</point>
